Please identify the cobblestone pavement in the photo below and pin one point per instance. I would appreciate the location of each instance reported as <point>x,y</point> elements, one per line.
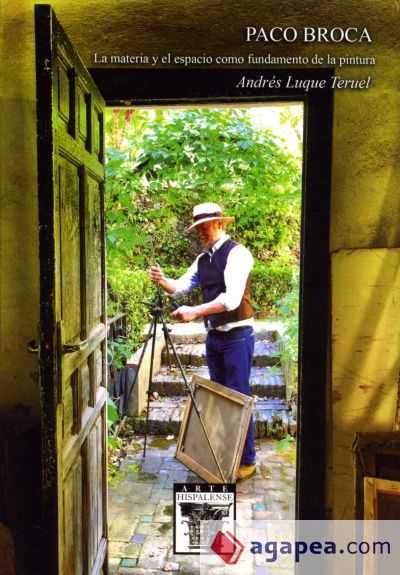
<point>141,505</point>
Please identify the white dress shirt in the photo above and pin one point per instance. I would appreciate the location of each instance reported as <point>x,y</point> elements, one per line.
<point>238,267</point>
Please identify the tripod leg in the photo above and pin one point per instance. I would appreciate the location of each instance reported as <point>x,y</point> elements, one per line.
<point>190,390</point>
<point>169,341</point>
<point>153,345</point>
<point>165,329</point>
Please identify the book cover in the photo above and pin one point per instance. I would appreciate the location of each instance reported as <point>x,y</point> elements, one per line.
<point>341,57</point>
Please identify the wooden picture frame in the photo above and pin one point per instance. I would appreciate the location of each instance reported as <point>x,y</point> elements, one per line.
<point>377,455</point>
<point>226,416</point>
<point>381,499</point>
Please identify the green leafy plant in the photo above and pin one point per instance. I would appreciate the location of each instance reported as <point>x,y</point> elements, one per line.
<point>119,351</point>
<point>112,420</point>
<point>115,475</point>
<point>287,445</point>
<point>270,281</point>
<point>288,315</point>
<point>115,446</point>
<point>135,289</point>
<point>114,443</point>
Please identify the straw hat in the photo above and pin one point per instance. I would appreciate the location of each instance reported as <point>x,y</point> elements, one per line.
<point>208,212</point>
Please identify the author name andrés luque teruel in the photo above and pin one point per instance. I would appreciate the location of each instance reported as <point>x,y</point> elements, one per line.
<point>303,84</point>
<point>307,34</point>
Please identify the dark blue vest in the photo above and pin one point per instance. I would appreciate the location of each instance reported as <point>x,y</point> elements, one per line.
<point>212,283</point>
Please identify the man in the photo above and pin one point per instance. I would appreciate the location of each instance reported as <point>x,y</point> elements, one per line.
<point>222,270</point>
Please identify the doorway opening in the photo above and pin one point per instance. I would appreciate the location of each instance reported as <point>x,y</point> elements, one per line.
<point>160,162</point>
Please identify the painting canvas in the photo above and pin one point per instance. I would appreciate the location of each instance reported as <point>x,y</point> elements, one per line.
<point>226,416</point>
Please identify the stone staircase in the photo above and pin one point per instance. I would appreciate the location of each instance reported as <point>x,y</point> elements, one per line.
<point>272,418</point>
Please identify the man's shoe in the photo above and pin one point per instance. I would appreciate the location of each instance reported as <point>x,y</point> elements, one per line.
<point>245,472</point>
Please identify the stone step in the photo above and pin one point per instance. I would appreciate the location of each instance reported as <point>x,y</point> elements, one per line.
<point>194,354</point>
<point>272,418</point>
<point>194,332</point>
<point>264,382</point>
<point>267,382</point>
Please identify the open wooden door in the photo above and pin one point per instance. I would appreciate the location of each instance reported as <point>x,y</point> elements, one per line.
<point>72,342</point>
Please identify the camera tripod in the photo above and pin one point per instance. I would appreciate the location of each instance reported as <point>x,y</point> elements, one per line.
<point>156,310</point>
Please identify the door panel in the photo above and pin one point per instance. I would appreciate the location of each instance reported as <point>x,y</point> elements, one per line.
<point>70,248</point>
<point>94,503</point>
<point>94,250</point>
<point>72,298</point>
<point>72,494</point>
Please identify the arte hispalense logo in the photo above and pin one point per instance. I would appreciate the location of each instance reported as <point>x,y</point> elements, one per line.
<point>197,502</point>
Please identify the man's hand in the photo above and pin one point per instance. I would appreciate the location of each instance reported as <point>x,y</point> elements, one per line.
<point>156,275</point>
<point>184,313</point>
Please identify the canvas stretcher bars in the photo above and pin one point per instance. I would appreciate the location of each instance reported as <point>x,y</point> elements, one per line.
<point>226,415</point>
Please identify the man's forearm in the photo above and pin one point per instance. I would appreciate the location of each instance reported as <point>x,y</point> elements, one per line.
<point>167,286</point>
<point>189,313</point>
<point>208,308</point>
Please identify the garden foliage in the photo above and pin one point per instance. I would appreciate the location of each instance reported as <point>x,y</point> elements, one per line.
<point>167,161</point>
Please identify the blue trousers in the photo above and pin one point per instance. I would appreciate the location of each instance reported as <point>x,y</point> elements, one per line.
<point>229,357</point>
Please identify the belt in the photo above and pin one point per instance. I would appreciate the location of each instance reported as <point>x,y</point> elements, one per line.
<point>228,334</point>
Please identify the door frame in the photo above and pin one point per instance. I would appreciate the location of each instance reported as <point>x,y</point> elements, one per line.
<point>130,87</point>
